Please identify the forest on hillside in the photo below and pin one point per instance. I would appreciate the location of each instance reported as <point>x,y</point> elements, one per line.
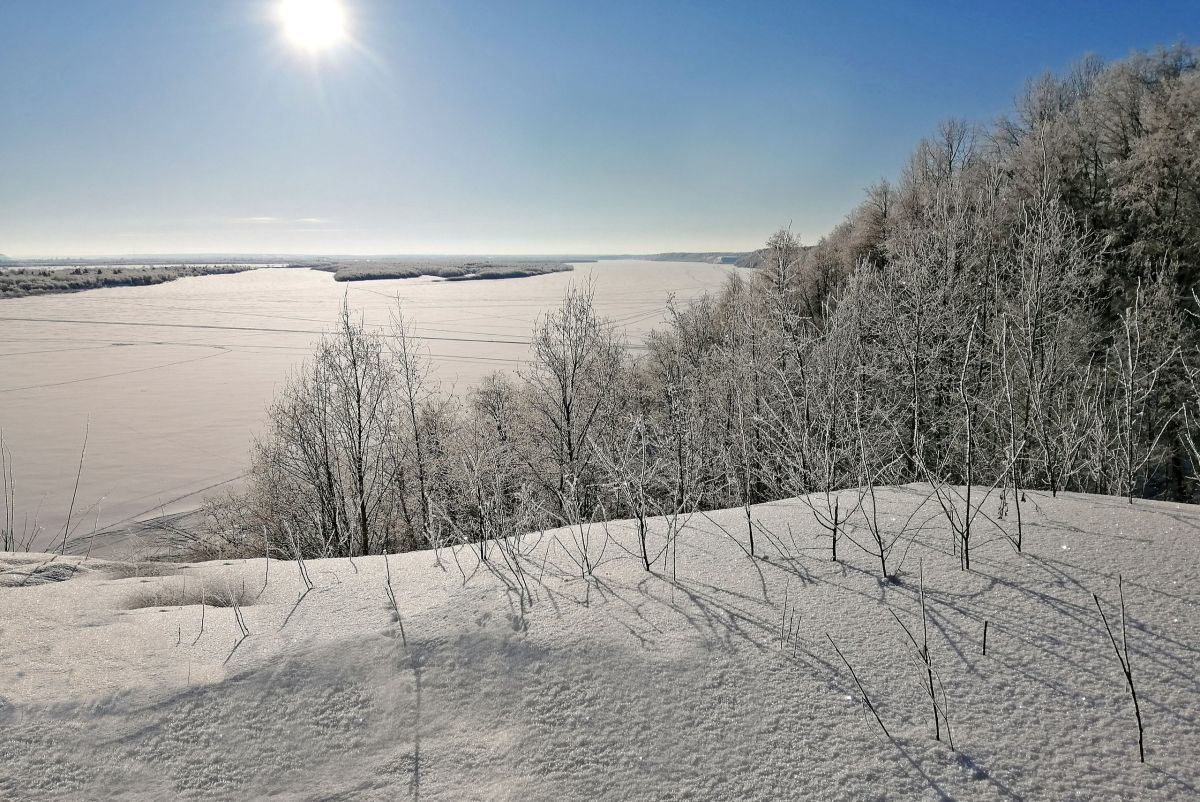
<point>1016,311</point>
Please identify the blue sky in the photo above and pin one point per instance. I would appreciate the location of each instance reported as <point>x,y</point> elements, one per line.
<point>165,126</point>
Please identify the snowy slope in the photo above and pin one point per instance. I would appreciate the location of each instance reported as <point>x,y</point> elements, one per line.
<point>627,685</point>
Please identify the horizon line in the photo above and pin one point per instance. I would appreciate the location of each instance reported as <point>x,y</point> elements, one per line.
<point>226,255</point>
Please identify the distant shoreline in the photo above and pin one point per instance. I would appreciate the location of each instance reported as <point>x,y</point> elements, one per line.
<point>20,278</point>
<point>450,271</point>
<point>25,282</point>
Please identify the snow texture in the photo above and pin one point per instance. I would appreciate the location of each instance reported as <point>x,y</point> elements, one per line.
<point>115,684</point>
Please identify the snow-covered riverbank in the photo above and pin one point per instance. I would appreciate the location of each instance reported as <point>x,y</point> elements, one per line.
<point>115,684</point>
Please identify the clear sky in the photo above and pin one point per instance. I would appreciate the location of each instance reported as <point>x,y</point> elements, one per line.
<point>497,126</point>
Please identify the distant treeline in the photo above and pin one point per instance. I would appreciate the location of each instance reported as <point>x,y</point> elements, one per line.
<point>1016,311</point>
<point>19,278</point>
<point>17,282</point>
<point>368,270</point>
<point>711,257</point>
<point>23,281</point>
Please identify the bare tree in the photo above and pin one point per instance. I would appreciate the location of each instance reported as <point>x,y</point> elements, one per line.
<point>8,530</point>
<point>363,389</point>
<point>882,540</point>
<point>1049,267</point>
<point>322,468</point>
<point>961,509</point>
<point>633,470</point>
<point>420,407</point>
<point>1136,370</point>
<point>571,394</point>
<point>486,501</point>
<point>1190,361</point>
<point>1014,446</point>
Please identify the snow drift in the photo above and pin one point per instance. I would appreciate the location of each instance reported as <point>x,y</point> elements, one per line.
<point>697,683</point>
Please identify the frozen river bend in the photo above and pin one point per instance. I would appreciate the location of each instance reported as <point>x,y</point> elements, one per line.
<point>169,383</point>
<point>716,683</point>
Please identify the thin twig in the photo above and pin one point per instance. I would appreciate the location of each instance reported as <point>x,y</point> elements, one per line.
<point>1123,659</point>
<point>861,689</point>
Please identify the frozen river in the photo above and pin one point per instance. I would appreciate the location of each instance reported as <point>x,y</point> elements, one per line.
<point>173,380</point>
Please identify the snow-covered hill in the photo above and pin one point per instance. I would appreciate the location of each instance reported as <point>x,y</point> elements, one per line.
<point>699,685</point>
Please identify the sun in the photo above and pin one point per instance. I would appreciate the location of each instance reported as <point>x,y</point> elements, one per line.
<point>313,25</point>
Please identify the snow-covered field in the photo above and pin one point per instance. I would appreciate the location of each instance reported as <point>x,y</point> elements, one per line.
<point>626,685</point>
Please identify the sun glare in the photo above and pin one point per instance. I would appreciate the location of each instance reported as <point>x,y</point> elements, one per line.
<point>313,25</point>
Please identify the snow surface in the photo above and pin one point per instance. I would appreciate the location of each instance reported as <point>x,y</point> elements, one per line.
<point>627,685</point>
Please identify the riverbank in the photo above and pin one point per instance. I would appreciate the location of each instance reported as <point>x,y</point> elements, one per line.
<point>23,282</point>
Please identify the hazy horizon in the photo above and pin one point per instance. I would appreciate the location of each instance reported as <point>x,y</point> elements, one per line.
<point>140,127</point>
<point>230,255</point>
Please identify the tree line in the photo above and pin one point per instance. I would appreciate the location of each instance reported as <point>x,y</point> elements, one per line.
<point>1016,311</point>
